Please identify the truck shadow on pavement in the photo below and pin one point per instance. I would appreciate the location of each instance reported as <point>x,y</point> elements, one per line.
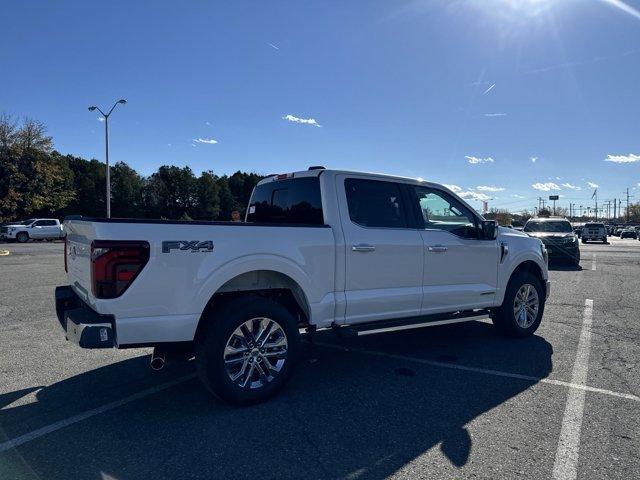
<point>346,414</point>
<point>564,267</point>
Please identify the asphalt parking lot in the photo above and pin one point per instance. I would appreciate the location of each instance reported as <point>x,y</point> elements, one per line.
<point>454,401</point>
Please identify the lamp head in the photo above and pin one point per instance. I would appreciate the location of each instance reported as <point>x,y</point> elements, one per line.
<point>92,108</point>
<point>122,101</point>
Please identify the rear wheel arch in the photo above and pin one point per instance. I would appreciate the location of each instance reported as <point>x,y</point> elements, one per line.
<point>270,284</point>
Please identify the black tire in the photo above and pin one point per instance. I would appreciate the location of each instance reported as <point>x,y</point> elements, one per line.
<point>503,317</point>
<point>211,344</point>
<point>584,241</point>
<point>22,237</point>
<point>575,261</point>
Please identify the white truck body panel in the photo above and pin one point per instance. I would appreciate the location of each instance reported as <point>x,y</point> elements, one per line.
<point>399,277</point>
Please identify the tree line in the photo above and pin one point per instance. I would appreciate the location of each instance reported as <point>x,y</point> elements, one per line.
<point>37,181</point>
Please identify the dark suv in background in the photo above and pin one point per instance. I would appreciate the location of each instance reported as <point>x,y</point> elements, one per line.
<point>558,236</point>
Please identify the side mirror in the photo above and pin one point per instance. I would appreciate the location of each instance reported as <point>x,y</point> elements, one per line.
<point>489,229</point>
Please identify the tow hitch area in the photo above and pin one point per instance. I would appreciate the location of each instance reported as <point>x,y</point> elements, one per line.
<point>82,325</point>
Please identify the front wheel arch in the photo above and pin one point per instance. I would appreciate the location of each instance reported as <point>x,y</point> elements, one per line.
<point>531,267</point>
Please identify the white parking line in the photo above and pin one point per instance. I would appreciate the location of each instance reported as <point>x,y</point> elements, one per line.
<point>27,437</point>
<point>593,264</point>
<point>485,371</point>
<point>565,467</point>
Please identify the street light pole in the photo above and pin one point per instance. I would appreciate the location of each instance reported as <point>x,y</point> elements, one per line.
<point>106,146</point>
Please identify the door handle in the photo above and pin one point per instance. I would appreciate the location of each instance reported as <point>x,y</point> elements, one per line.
<point>363,247</point>
<point>437,248</point>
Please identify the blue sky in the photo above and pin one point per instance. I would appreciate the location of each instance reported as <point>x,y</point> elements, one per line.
<point>466,93</point>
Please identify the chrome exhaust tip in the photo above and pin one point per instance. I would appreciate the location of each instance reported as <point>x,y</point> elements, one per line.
<point>158,359</point>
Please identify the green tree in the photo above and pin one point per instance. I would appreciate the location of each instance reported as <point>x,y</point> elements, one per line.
<point>227,203</point>
<point>89,184</point>
<point>208,197</point>
<point>127,192</point>
<point>634,213</point>
<point>171,191</point>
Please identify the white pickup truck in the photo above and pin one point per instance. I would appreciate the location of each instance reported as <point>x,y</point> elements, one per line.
<point>32,229</point>
<point>318,249</point>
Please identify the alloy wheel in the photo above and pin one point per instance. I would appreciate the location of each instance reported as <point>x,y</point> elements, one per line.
<point>526,305</point>
<point>255,353</point>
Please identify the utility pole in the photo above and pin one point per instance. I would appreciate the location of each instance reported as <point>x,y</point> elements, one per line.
<point>615,214</point>
<point>627,204</point>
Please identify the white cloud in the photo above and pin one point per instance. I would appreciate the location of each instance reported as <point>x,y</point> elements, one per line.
<point>571,187</point>
<point>207,123</point>
<point>476,160</point>
<point>471,195</point>
<point>275,47</point>
<point>546,187</point>
<point>486,188</point>
<point>100,119</point>
<point>593,185</point>
<point>495,114</point>
<point>210,141</point>
<point>534,159</point>
<point>518,196</point>
<point>631,158</point>
<point>467,194</point>
<point>307,121</point>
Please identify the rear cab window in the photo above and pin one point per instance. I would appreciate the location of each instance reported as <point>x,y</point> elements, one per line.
<point>294,201</point>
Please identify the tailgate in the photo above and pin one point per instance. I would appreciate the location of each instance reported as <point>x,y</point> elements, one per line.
<point>80,234</point>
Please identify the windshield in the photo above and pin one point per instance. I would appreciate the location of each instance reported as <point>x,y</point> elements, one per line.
<point>548,226</point>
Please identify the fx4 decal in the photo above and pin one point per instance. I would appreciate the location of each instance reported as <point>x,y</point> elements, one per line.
<point>187,246</point>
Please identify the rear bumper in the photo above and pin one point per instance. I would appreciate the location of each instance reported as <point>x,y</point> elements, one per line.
<point>82,325</point>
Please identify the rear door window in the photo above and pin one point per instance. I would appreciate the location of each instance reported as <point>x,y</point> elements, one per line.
<point>374,203</point>
<point>291,201</point>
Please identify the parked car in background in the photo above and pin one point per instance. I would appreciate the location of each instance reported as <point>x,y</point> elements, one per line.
<point>594,232</point>
<point>318,249</point>
<point>618,230</point>
<point>557,235</point>
<point>629,233</point>
<point>32,229</point>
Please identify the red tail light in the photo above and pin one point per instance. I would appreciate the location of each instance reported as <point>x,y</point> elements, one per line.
<point>115,265</point>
